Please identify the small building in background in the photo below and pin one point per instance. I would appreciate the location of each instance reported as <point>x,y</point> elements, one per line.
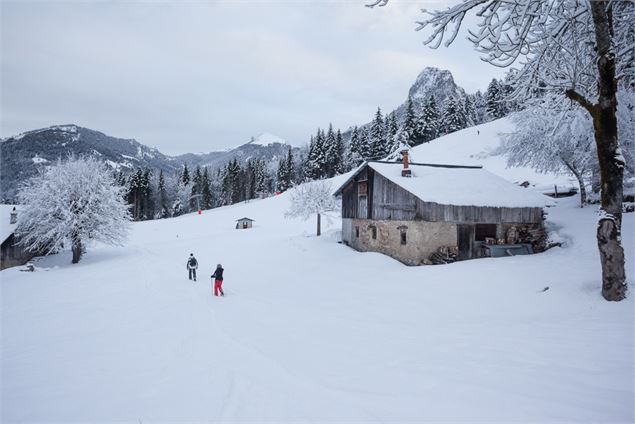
<point>11,254</point>
<point>244,223</point>
<point>431,213</point>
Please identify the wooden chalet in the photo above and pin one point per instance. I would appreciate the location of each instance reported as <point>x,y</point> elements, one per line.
<point>430,213</point>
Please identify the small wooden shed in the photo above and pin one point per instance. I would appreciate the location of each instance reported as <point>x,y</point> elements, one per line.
<point>244,223</point>
<point>11,253</point>
<point>418,213</point>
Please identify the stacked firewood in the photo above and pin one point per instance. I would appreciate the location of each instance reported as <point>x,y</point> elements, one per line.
<point>537,237</point>
<point>444,255</point>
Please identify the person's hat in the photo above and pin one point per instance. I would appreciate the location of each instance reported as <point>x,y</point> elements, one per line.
<point>218,266</point>
<point>191,254</point>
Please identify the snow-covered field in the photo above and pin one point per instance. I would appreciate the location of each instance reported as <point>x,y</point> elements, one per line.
<point>312,331</point>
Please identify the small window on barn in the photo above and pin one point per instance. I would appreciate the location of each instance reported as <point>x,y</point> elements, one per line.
<point>402,233</point>
<point>483,231</point>
<point>373,230</point>
<point>356,231</point>
<point>362,188</point>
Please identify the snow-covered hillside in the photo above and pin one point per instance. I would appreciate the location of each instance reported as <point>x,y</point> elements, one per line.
<point>312,331</point>
<point>480,145</point>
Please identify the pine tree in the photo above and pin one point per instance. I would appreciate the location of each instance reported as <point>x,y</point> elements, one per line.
<point>207,199</point>
<point>365,144</point>
<point>196,190</point>
<point>163,196</point>
<point>339,153</point>
<point>291,167</point>
<point>308,164</point>
<point>453,118</point>
<point>480,108</point>
<point>470,111</point>
<point>429,120</point>
<point>231,185</point>
<point>315,166</point>
<point>331,155</point>
<point>181,197</point>
<point>391,128</point>
<point>260,185</point>
<point>355,145</point>
<point>410,123</point>
<point>494,99</point>
<point>320,153</point>
<point>376,136</point>
<point>283,183</point>
<point>148,206</point>
<point>135,193</point>
<point>355,149</point>
<point>185,177</point>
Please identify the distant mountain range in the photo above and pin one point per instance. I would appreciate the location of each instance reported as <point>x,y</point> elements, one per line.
<point>266,146</point>
<point>21,156</point>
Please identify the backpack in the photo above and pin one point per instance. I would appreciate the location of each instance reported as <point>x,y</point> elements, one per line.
<point>192,262</point>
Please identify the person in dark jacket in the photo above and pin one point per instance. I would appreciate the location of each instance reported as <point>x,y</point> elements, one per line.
<point>191,266</point>
<point>217,276</point>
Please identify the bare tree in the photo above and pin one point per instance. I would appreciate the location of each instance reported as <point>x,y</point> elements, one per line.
<point>579,47</point>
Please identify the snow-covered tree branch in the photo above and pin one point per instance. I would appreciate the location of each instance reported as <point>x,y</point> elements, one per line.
<point>72,202</point>
<point>552,141</point>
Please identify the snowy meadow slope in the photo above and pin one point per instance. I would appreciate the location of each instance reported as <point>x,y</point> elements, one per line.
<point>311,330</point>
<point>481,145</point>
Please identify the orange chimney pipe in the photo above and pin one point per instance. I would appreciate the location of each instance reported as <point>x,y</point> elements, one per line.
<point>405,172</point>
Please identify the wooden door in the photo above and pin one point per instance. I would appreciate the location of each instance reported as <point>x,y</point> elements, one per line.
<point>362,208</point>
<point>465,238</point>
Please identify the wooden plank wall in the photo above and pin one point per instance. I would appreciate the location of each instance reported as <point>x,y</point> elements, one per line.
<point>350,198</point>
<point>391,201</point>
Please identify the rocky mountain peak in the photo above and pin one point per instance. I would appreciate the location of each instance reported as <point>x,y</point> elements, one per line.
<point>436,82</point>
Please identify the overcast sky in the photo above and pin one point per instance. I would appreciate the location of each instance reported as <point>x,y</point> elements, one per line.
<point>193,76</point>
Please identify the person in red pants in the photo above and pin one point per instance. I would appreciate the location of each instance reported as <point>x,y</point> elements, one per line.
<point>217,276</point>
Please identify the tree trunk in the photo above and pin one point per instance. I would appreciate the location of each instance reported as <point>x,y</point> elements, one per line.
<point>611,164</point>
<point>77,249</point>
<point>580,178</point>
<point>319,226</point>
<point>595,178</point>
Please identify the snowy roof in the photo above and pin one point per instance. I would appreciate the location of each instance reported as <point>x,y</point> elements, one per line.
<point>6,229</point>
<point>458,185</point>
<point>246,219</point>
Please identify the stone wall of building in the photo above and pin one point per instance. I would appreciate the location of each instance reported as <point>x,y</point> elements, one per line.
<point>422,238</point>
